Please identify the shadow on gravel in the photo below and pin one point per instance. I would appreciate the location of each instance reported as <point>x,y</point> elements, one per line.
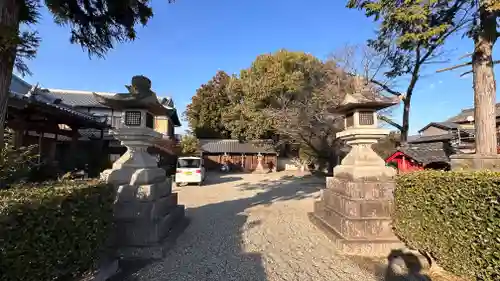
<point>217,178</point>
<point>212,247</point>
<point>398,266</point>
<point>222,256</point>
<point>404,266</point>
<point>285,188</point>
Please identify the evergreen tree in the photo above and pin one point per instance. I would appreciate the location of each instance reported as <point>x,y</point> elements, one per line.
<point>96,25</point>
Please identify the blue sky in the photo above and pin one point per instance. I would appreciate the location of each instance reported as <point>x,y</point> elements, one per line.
<point>187,42</point>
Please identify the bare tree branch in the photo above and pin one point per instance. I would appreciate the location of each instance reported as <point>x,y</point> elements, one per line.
<point>465,56</point>
<point>386,88</point>
<point>462,65</point>
<point>465,73</point>
<point>390,122</point>
<point>454,67</point>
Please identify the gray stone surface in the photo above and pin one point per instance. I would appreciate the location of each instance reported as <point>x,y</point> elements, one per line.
<point>154,191</point>
<point>146,231</point>
<point>148,176</point>
<point>145,209</point>
<point>356,205</point>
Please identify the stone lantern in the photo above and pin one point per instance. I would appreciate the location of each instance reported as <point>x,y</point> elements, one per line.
<point>360,132</point>
<point>356,205</point>
<point>260,168</point>
<point>146,211</point>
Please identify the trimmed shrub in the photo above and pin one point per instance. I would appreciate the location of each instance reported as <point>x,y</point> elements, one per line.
<point>53,231</point>
<point>454,217</point>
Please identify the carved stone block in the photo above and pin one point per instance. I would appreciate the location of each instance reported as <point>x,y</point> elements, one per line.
<point>357,214</point>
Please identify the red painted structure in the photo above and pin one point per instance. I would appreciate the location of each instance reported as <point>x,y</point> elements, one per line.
<point>404,163</point>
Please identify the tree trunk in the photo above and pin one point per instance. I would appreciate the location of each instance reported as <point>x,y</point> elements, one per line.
<point>405,126</point>
<point>9,29</point>
<point>484,84</point>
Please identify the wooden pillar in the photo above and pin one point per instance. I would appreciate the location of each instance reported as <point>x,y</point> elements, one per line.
<point>74,142</point>
<point>52,151</point>
<point>73,148</point>
<point>40,151</point>
<point>19,138</point>
<point>19,128</point>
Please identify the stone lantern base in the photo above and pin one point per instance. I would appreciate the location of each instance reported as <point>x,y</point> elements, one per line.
<point>355,208</point>
<point>147,215</point>
<point>355,213</point>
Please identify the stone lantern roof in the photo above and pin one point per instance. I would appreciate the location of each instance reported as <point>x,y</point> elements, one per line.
<point>360,101</point>
<point>365,96</point>
<point>140,96</point>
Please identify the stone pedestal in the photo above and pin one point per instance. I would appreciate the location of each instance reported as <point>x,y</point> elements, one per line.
<point>475,162</point>
<point>146,212</point>
<point>355,208</point>
<point>356,215</point>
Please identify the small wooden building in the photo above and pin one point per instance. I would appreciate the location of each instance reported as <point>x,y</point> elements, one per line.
<point>39,119</point>
<point>420,156</point>
<point>240,156</point>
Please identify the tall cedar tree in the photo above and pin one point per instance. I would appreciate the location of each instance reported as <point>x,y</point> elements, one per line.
<point>484,32</point>
<point>204,114</point>
<point>96,25</point>
<point>411,34</point>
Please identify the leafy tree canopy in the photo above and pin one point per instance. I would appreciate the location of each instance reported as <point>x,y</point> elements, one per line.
<point>189,144</point>
<point>388,145</point>
<point>271,81</point>
<point>95,25</point>
<point>204,114</point>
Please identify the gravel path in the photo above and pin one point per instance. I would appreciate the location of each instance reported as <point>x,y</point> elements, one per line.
<point>255,228</point>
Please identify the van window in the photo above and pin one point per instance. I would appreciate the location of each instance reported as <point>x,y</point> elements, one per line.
<point>188,163</point>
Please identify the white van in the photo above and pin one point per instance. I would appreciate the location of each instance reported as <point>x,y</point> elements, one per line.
<point>190,170</point>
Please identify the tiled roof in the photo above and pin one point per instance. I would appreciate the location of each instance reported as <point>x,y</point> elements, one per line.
<point>422,139</point>
<point>464,133</point>
<point>19,86</point>
<point>462,116</point>
<point>470,132</point>
<point>442,125</point>
<point>87,99</point>
<point>23,91</point>
<point>426,153</point>
<point>235,146</point>
<point>78,98</point>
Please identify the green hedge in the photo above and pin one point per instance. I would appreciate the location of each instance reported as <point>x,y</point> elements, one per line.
<point>53,231</point>
<point>455,217</point>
